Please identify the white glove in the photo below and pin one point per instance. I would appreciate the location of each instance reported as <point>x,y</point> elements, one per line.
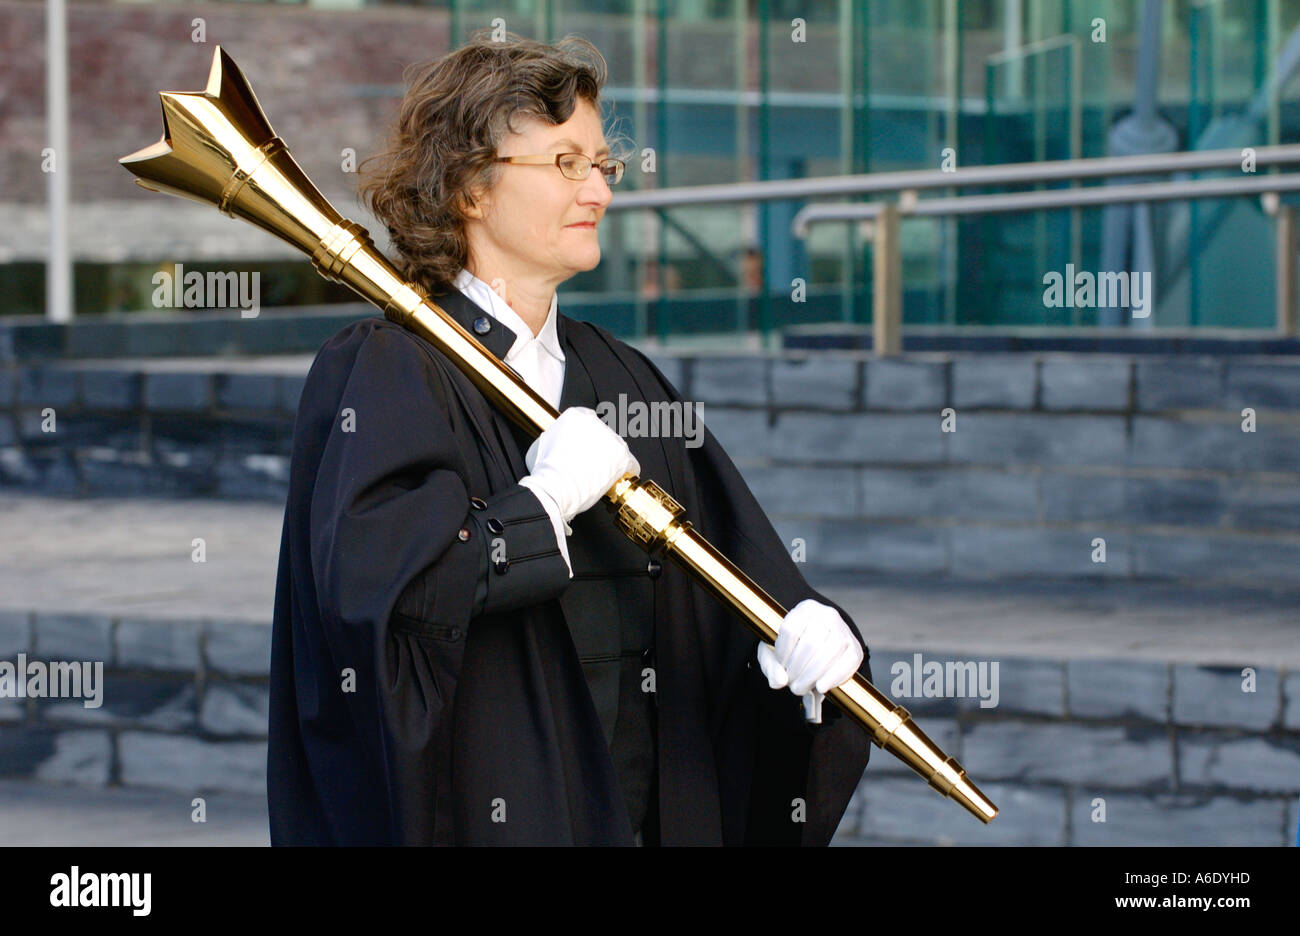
<point>577,460</point>
<point>815,652</point>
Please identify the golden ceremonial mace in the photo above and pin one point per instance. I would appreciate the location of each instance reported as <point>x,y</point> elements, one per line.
<point>218,148</point>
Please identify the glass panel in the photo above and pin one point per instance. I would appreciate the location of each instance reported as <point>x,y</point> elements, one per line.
<point>1231,104</point>
<point>1033,113</point>
<point>692,260</point>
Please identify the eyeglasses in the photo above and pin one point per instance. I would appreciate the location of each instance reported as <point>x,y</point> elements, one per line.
<point>574,165</point>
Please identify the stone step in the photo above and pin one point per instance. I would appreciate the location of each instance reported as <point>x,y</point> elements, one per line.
<point>33,813</point>
<point>1074,751</point>
<point>1175,707</point>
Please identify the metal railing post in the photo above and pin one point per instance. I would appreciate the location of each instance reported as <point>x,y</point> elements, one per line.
<point>59,298</point>
<point>1286,249</point>
<point>887,293</point>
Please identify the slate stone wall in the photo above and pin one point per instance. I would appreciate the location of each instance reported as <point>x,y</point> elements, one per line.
<point>952,464</point>
<point>184,703</point>
<point>1096,752</point>
<point>1174,753</point>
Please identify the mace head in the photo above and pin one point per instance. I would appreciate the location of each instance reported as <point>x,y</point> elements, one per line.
<point>210,138</point>
<point>218,148</point>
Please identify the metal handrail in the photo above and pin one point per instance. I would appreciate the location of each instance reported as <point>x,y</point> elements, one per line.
<point>887,219</point>
<point>1060,170</point>
<point>1041,201</point>
<point>887,216</point>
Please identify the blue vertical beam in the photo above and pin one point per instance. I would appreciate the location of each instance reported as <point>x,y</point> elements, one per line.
<point>661,163</point>
<point>861,141</point>
<point>1261,44</point>
<point>764,171</point>
<point>785,255</point>
<point>1195,127</point>
<point>955,136</point>
<point>984,308</point>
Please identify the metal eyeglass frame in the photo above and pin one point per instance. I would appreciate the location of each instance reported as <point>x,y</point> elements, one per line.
<point>547,159</point>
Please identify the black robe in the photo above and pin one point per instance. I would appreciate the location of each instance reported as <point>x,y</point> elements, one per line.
<point>419,698</point>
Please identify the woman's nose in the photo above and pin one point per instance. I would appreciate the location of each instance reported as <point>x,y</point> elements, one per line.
<point>595,190</point>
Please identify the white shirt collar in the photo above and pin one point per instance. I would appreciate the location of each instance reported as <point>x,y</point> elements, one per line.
<point>487,298</point>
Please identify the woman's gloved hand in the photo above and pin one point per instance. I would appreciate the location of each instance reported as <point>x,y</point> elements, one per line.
<point>577,460</point>
<point>815,652</point>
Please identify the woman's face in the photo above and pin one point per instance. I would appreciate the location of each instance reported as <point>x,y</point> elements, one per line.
<point>537,223</point>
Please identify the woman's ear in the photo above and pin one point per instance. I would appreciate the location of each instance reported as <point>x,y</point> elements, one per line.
<point>473,203</point>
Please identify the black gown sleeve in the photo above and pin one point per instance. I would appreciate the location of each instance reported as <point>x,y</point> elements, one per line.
<point>403,560</point>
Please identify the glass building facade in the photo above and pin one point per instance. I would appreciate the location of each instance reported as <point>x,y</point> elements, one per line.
<point>718,91</point>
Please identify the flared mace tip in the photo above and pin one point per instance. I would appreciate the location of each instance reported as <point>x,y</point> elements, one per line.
<point>220,60</point>
<point>152,151</point>
<point>145,164</point>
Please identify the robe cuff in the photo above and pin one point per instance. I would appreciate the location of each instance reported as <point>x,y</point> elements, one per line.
<point>520,559</point>
<point>562,529</point>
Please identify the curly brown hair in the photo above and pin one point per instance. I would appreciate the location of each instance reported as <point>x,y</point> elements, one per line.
<point>456,111</point>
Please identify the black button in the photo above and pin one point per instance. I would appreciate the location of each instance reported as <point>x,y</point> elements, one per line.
<point>478,503</point>
<point>501,565</point>
<point>653,569</point>
<point>455,633</point>
<point>463,534</point>
<point>482,325</point>
<point>495,526</point>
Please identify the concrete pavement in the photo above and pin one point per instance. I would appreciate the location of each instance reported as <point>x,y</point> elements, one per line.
<point>118,556</point>
<point>45,814</point>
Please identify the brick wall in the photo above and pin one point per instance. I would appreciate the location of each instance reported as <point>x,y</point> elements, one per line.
<point>309,67</point>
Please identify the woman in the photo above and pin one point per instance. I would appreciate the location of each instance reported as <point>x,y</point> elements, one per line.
<point>464,651</point>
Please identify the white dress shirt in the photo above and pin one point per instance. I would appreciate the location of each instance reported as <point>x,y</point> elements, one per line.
<point>536,358</point>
